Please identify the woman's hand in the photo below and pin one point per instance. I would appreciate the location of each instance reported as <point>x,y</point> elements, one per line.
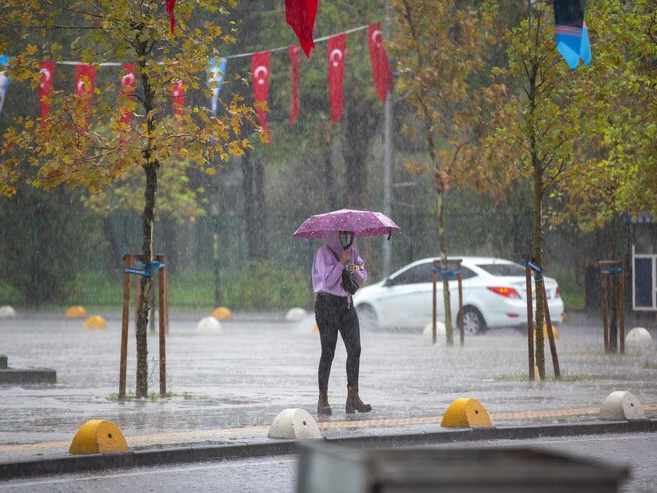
<point>345,257</point>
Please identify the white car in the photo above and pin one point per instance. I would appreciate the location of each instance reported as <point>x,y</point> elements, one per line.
<point>494,295</point>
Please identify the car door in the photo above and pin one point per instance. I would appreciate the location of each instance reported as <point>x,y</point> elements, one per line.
<point>407,297</point>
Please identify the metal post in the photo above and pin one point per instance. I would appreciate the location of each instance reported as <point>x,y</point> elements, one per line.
<point>124,327</point>
<point>530,323</point>
<point>460,319</point>
<point>387,157</point>
<point>548,322</point>
<point>163,327</point>
<point>621,282</point>
<point>605,328</point>
<point>434,277</point>
<point>215,255</point>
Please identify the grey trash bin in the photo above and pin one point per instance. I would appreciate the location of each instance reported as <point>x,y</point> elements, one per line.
<point>327,468</point>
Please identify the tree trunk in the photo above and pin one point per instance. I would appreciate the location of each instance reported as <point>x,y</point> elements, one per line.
<point>144,301</point>
<point>247,193</point>
<point>613,293</point>
<point>329,177</point>
<point>259,219</point>
<point>538,259</point>
<point>442,242</point>
<point>360,129</point>
<point>150,167</point>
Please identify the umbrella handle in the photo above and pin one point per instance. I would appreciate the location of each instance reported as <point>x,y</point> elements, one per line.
<point>389,234</point>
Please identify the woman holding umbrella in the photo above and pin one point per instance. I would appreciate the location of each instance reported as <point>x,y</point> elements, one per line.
<point>335,313</point>
<point>334,310</point>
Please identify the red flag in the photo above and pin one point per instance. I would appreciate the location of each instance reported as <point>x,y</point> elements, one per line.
<point>260,75</point>
<point>127,89</point>
<point>170,4</point>
<point>294,76</point>
<point>300,15</point>
<point>85,77</point>
<point>178,97</point>
<point>380,64</point>
<point>337,46</point>
<point>47,70</point>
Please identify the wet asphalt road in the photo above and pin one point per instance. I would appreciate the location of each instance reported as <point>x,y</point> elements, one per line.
<point>240,378</point>
<point>278,474</point>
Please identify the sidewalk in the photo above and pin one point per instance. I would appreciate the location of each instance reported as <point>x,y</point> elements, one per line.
<point>227,387</point>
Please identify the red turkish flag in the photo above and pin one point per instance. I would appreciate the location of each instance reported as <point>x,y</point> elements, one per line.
<point>337,46</point>
<point>178,97</point>
<point>127,89</point>
<point>85,77</point>
<point>170,5</point>
<point>47,70</point>
<point>380,64</point>
<point>260,81</point>
<point>300,15</point>
<point>294,78</point>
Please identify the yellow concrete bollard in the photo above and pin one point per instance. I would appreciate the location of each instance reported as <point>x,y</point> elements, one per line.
<point>465,413</point>
<point>98,436</point>
<point>95,322</point>
<point>222,313</point>
<point>555,332</point>
<point>76,311</point>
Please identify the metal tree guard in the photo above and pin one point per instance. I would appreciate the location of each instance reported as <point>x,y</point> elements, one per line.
<point>144,270</point>
<point>447,273</point>
<point>539,282</point>
<point>610,269</point>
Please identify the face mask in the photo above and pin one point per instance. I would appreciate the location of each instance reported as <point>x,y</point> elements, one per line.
<point>346,239</point>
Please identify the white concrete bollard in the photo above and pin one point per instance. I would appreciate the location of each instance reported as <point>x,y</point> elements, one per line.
<point>621,405</point>
<point>440,330</point>
<point>294,423</point>
<point>7,312</point>
<point>638,339</point>
<point>209,325</point>
<point>295,314</point>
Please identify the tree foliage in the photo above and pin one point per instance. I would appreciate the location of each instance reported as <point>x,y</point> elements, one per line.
<point>440,46</point>
<point>85,144</point>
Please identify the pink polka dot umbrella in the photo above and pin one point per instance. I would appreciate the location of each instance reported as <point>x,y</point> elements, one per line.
<point>361,223</point>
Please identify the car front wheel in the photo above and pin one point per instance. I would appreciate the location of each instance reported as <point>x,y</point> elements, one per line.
<point>473,321</point>
<point>367,318</point>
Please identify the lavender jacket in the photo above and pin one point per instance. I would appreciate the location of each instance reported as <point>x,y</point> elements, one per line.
<point>327,270</point>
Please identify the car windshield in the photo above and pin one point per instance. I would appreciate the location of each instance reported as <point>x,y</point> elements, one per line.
<point>503,269</point>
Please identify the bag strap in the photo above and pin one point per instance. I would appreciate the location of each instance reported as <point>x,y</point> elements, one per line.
<point>334,254</point>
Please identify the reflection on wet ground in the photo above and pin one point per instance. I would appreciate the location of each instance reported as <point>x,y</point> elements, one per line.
<point>237,380</point>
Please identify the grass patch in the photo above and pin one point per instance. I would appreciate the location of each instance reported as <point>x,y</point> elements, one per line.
<point>573,300</point>
<point>525,378</point>
<point>9,295</point>
<point>265,285</point>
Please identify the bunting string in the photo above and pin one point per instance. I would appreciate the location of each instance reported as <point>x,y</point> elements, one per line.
<point>260,72</point>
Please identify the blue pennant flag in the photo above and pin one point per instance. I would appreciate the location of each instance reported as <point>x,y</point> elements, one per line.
<point>4,80</point>
<point>572,35</point>
<point>216,75</point>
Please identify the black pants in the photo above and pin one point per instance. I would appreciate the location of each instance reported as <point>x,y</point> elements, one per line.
<point>336,314</point>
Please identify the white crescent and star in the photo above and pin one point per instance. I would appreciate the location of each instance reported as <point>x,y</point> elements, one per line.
<point>261,69</point>
<point>376,37</point>
<point>45,77</point>
<point>80,87</point>
<point>128,80</point>
<point>336,57</point>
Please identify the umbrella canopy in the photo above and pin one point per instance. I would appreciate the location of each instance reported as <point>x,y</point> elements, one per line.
<point>361,223</point>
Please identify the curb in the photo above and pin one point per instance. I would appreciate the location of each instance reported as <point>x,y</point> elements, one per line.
<point>198,453</point>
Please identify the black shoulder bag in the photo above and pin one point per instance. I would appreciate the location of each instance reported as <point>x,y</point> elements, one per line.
<point>349,283</point>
